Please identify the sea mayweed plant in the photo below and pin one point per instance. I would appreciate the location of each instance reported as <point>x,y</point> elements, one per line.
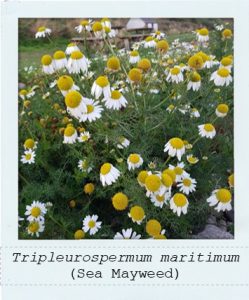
<point>126,144</point>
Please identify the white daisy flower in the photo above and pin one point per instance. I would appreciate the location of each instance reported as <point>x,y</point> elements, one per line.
<point>76,104</point>
<point>175,75</point>
<point>195,113</point>
<point>195,82</point>
<point>134,57</point>
<point>70,135</point>
<point>175,147</point>
<point>20,220</point>
<point>84,25</point>
<point>210,62</point>
<point>207,130</point>
<point>153,184</point>
<point>90,224</point>
<point>221,110</point>
<point>137,214</point>
<point>179,171</point>
<point>105,22</point>
<point>160,200</point>
<point>77,63</point>
<point>98,30</point>
<point>60,60</point>
<point>123,143</point>
<point>36,211</point>
<point>142,175</point>
<point>116,100</point>
<point>187,185</point>
<point>35,228</point>
<point>221,77</point>
<point>192,159</point>
<point>42,32</point>
<point>30,144</point>
<point>134,161</point>
<point>83,165</point>
<point>28,157</point>
<point>179,204</point>
<point>66,84</point>
<point>158,35</point>
<point>93,111</point>
<point>127,234</point>
<point>84,137</point>
<point>108,174</point>
<point>101,86</point>
<point>47,64</point>
<point>170,108</point>
<point>222,197</point>
<point>72,47</point>
<point>227,63</point>
<point>202,35</point>
<point>149,42</point>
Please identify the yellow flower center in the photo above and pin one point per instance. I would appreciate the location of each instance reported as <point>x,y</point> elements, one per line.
<point>142,175</point>
<point>29,143</point>
<point>223,72</point>
<point>195,62</point>
<point>223,108</point>
<point>84,23</point>
<point>226,61</point>
<point>84,164</point>
<point>144,64</point>
<point>23,92</point>
<point>203,55</point>
<point>41,29</point>
<point>46,60</point>
<point>167,180</point>
<point>28,156</point>
<point>35,212</point>
<point>160,198</point>
<point>227,33</point>
<point>76,55</point>
<point>160,237</point>
<point>65,83</point>
<point>113,63</point>
<point>34,227</point>
<point>195,77</point>
<point>91,224</point>
<point>175,71</point>
<point>187,182</point>
<point>171,173</point>
<point>105,168</point>
<point>73,99</point>
<point>102,81</point>
<point>97,26</point>
<point>116,95</point>
<point>79,234</point>
<point>135,75</point>
<point>69,131</point>
<point>71,45</point>
<point>180,200</point>
<point>231,180</point>
<point>134,53</point>
<point>59,55</point>
<point>103,20</point>
<point>149,39</point>
<point>120,201</point>
<point>153,227</point>
<point>176,143</point>
<point>178,170</point>
<point>134,158</point>
<point>209,127</point>
<point>152,183</point>
<point>223,195</point>
<point>162,45</point>
<point>192,159</point>
<point>137,213</point>
<point>203,31</point>
<point>89,188</point>
<point>90,108</point>
<point>107,29</point>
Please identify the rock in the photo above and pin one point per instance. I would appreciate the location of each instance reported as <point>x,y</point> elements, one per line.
<point>212,220</point>
<point>213,232</point>
<point>223,225</point>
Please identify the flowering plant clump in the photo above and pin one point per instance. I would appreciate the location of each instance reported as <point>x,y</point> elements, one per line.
<point>126,144</point>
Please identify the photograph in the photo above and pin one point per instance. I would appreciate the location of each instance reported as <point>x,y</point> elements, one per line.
<point>125,128</point>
